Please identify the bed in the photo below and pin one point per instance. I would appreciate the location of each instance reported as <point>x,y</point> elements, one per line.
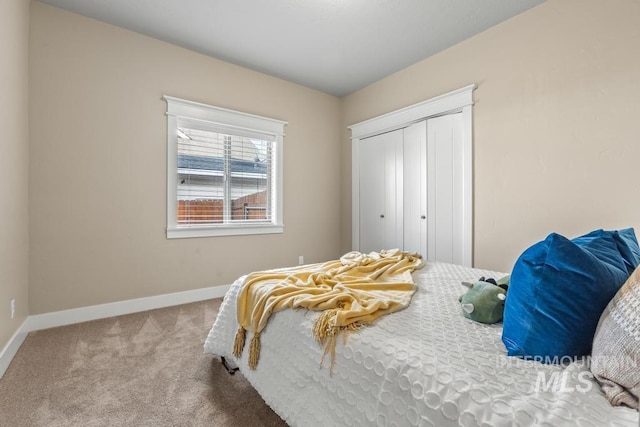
<point>426,365</point>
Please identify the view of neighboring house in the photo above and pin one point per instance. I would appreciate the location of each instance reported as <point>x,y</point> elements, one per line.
<point>222,178</point>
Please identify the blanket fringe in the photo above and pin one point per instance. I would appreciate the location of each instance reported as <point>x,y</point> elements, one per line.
<point>254,351</point>
<point>326,332</point>
<point>325,324</point>
<point>238,344</point>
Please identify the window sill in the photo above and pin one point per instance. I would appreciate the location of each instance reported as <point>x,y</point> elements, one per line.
<point>218,230</point>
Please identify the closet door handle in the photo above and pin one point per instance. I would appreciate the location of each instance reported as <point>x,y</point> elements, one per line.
<point>423,217</point>
<point>381,215</point>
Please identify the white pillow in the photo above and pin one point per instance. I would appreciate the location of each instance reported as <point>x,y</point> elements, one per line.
<point>616,346</point>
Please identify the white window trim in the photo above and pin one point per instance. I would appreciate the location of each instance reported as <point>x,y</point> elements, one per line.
<point>271,128</point>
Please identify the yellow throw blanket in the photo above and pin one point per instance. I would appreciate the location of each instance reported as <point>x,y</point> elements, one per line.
<point>352,291</point>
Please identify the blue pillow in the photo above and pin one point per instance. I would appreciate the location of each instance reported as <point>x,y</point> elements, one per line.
<point>625,241</point>
<point>628,247</point>
<point>558,290</point>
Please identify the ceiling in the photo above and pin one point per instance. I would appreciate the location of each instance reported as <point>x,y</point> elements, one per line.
<point>336,46</point>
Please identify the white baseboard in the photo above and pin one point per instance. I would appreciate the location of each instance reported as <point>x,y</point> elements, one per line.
<point>10,350</point>
<point>101,311</point>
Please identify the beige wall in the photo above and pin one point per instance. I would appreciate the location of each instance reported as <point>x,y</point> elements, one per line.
<point>14,172</point>
<point>556,135</point>
<point>555,146</point>
<point>98,166</point>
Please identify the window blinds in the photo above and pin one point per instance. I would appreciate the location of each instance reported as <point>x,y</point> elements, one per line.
<point>224,174</point>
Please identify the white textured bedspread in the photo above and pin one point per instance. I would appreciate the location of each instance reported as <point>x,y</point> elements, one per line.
<point>426,365</point>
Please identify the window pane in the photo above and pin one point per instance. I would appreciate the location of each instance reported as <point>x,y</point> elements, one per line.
<point>249,173</point>
<point>200,199</point>
<point>200,177</point>
<point>222,178</point>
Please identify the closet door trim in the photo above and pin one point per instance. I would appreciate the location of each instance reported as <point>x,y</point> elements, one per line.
<point>451,102</point>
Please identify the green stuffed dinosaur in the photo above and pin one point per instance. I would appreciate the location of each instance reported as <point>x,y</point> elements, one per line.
<point>484,301</point>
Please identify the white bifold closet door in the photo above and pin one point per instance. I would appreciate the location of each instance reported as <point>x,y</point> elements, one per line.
<point>445,174</point>
<point>415,188</point>
<point>381,192</point>
<point>411,189</point>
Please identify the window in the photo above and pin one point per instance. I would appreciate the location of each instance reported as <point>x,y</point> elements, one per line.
<point>224,171</point>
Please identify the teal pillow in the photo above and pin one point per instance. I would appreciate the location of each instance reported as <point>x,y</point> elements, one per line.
<point>558,290</point>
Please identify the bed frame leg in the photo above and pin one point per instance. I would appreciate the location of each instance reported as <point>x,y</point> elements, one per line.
<point>229,369</point>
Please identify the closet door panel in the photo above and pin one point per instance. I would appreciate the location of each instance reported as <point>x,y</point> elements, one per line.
<point>458,175</point>
<point>380,187</point>
<point>372,200</point>
<point>415,188</point>
<point>444,189</point>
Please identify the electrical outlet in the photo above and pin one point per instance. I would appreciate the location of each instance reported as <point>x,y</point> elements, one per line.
<point>13,308</point>
<point>301,259</point>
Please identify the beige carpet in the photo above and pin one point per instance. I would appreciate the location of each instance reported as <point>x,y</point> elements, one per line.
<point>144,369</point>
